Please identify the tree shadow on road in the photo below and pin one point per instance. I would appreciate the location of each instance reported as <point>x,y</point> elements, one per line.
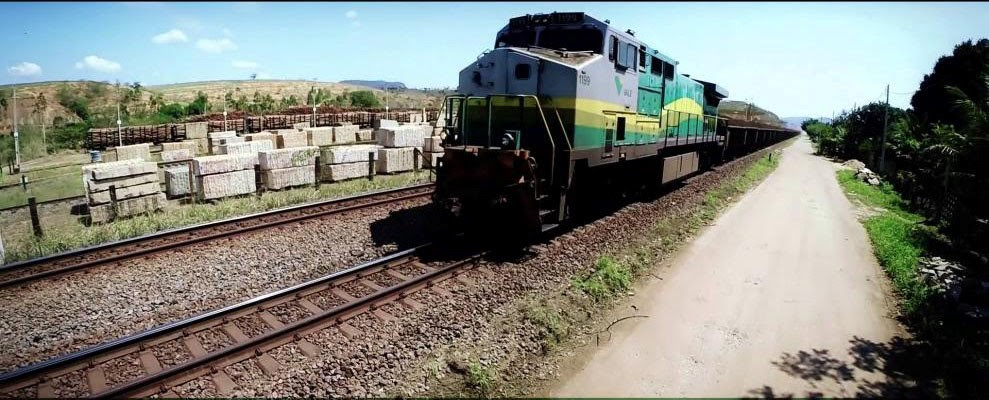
<point>905,364</point>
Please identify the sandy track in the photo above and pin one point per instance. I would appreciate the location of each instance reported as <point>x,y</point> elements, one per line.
<point>781,296</point>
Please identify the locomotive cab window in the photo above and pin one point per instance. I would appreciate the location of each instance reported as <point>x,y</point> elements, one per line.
<point>667,71</point>
<point>642,57</point>
<point>657,67</point>
<point>621,129</point>
<point>581,39</point>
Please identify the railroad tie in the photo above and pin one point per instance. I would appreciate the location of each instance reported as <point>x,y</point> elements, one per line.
<point>96,378</point>
<point>149,362</point>
<point>349,331</point>
<point>224,384</point>
<point>268,363</point>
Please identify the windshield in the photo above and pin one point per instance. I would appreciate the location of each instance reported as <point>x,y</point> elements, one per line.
<point>570,39</point>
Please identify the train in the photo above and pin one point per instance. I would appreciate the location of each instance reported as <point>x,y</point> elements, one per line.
<point>566,109</point>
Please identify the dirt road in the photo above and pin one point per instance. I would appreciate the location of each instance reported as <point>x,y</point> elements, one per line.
<point>781,296</point>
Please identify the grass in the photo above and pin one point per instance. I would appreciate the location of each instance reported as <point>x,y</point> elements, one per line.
<point>479,378</point>
<point>948,356</point>
<point>553,326</point>
<point>43,189</point>
<point>608,278</point>
<point>612,275</point>
<point>897,235</point>
<point>76,235</point>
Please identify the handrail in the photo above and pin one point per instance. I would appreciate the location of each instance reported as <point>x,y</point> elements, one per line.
<point>549,133</point>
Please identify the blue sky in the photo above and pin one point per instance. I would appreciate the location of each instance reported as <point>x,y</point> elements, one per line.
<point>796,59</point>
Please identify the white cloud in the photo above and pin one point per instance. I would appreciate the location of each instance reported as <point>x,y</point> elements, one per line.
<point>227,33</point>
<point>244,64</point>
<point>215,45</point>
<point>172,36</point>
<point>351,14</point>
<point>356,23</point>
<point>25,69</point>
<point>98,64</point>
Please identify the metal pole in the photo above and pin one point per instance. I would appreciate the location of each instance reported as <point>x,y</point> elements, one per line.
<point>224,115</point>
<point>44,136</point>
<point>882,150</point>
<point>17,140</point>
<point>120,137</point>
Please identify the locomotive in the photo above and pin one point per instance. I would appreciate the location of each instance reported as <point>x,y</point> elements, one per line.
<point>563,109</point>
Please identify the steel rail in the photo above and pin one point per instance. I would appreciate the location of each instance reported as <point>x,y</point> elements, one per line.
<point>37,369</point>
<point>192,228</point>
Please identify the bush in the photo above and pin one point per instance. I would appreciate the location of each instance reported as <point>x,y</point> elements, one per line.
<point>174,110</point>
<point>364,99</point>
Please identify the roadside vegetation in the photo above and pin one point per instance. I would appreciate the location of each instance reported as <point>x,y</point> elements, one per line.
<point>21,245</point>
<point>933,201</point>
<point>613,274</point>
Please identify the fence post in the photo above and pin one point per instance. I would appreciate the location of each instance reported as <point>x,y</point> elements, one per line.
<point>317,180</point>
<point>193,192</point>
<point>35,220</point>
<point>415,159</point>
<point>259,185</point>
<point>370,165</point>
<point>113,202</point>
<point>24,182</point>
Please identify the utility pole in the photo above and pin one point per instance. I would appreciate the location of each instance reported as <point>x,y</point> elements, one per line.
<point>120,137</point>
<point>224,115</point>
<point>44,136</point>
<point>882,150</point>
<point>17,140</point>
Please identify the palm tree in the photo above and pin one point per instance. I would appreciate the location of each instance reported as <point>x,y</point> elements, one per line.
<point>944,145</point>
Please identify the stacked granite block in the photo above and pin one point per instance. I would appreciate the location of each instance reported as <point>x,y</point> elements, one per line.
<point>288,138</point>
<point>225,175</point>
<point>320,136</point>
<point>140,151</point>
<point>433,149</point>
<point>345,162</point>
<point>345,134</point>
<point>136,187</point>
<point>283,168</point>
<point>177,181</point>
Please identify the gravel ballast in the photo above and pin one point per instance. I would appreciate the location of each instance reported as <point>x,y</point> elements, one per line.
<point>484,323</point>
<point>44,319</point>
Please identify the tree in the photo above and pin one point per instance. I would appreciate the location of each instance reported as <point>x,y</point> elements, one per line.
<point>364,99</point>
<point>199,105</point>
<point>40,104</point>
<point>966,70</point>
<point>254,76</point>
<point>156,100</point>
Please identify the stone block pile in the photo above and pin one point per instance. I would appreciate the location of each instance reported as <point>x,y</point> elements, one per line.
<point>283,168</point>
<point>346,162</point>
<point>136,186</point>
<point>400,143</point>
<point>140,151</point>
<point>224,175</point>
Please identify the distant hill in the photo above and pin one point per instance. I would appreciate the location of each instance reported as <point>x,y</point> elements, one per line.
<point>739,110</point>
<point>381,85</point>
<point>101,97</point>
<point>795,122</point>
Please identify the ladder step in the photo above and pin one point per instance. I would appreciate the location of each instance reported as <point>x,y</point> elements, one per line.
<point>549,227</point>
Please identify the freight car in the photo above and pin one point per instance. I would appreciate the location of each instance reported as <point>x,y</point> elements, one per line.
<point>565,109</point>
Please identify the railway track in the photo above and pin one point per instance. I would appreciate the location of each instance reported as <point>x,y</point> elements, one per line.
<point>156,361</point>
<point>115,252</point>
